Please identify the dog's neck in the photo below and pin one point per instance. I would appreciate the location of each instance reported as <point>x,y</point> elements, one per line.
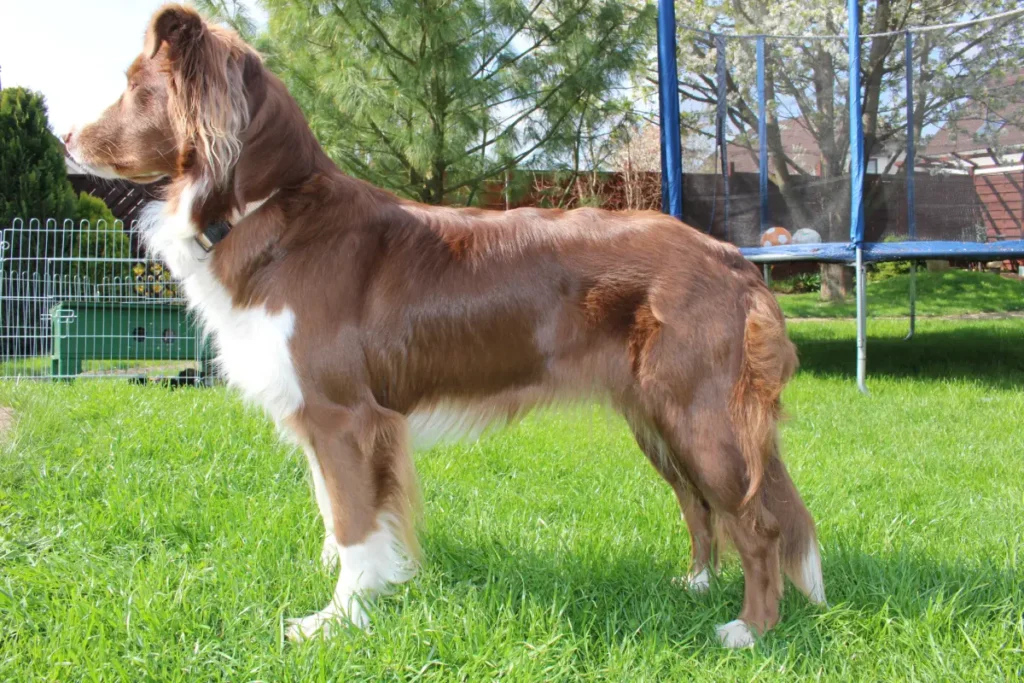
<point>212,233</point>
<point>278,154</point>
<point>173,228</point>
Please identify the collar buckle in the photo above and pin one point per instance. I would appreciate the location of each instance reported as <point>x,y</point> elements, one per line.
<point>212,234</point>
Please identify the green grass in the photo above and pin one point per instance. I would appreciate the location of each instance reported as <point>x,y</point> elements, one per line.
<point>27,366</point>
<point>953,292</point>
<point>149,534</point>
<point>42,366</point>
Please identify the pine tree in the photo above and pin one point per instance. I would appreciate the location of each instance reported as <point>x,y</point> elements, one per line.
<point>431,98</point>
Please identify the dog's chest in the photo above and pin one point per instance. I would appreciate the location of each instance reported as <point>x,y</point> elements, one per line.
<point>252,347</point>
<point>252,343</point>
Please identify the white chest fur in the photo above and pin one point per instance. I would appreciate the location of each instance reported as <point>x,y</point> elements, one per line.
<point>252,343</point>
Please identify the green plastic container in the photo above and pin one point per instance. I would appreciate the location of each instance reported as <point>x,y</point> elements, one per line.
<point>122,331</point>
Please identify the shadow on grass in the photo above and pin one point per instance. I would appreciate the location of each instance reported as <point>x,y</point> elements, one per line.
<point>612,598</point>
<point>977,352</point>
<point>629,597</point>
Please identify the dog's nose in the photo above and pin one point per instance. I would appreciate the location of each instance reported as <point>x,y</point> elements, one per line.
<point>68,136</point>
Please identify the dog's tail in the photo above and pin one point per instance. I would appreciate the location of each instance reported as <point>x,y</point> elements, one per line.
<point>769,360</point>
<point>801,558</point>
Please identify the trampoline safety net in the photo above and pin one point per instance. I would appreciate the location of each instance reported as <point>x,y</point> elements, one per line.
<point>765,125</point>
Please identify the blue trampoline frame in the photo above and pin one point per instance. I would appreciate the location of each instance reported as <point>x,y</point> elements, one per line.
<point>856,252</point>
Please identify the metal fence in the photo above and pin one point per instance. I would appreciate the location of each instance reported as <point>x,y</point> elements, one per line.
<point>84,300</point>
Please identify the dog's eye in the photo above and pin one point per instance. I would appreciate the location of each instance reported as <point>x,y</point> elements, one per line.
<point>133,85</point>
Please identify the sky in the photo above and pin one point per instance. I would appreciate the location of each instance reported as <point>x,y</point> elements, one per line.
<point>74,52</point>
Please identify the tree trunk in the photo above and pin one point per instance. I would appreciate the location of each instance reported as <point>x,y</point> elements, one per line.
<point>836,282</point>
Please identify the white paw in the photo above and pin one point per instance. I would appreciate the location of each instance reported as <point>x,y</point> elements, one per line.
<point>325,623</point>
<point>329,553</point>
<point>699,583</point>
<point>695,583</point>
<point>735,635</point>
<point>307,628</point>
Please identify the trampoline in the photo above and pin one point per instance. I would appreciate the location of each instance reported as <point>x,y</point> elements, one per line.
<point>721,107</point>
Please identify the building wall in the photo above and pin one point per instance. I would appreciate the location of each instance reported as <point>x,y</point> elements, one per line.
<point>1002,204</point>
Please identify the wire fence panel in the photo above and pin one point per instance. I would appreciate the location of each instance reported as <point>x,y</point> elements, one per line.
<point>82,300</point>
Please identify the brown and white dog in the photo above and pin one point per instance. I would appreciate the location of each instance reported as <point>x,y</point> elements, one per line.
<point>351,315</point>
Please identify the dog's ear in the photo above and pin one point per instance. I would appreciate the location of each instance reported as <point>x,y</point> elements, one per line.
<point>206,88</point>
<point>180,27</point>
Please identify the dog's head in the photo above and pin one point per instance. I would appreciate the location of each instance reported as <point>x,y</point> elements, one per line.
<point>186,105</point>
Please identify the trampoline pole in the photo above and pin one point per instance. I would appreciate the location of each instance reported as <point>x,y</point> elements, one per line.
<point>913,300</point>
<point>668,112</point>
<point>862,323</point>
<point>857,187</point>
<point>908,56</point>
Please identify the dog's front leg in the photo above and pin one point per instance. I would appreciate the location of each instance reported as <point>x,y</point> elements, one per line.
<point>365,490</point>
<point>329,552</point>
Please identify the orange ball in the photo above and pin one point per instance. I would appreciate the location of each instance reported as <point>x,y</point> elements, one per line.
<point>773,237</point>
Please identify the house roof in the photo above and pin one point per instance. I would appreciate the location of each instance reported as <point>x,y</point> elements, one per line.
<point>984,125</point>
<point>979,131</point>
<point>797,139</point>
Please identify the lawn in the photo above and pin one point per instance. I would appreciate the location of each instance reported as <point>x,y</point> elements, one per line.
<point>150,534</point>
<point>42,366</point>
<point>953,292</point>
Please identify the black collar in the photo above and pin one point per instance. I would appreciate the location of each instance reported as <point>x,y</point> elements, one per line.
<point>212,234</point>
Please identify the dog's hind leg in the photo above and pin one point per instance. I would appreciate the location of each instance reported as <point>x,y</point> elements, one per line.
<point>801,558</point>
<point>703,546</point>
<point>695,510</point>
<point>367,472</point>
<point>703,438</point>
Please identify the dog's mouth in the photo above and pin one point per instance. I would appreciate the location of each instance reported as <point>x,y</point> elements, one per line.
<point>114,173</point>
<point>145,178</point>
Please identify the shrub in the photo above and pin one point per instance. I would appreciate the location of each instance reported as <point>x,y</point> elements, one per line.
<point>798,284</point>
<point>879,272</point>
<point>33,178</point>
<point>92,209</point>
